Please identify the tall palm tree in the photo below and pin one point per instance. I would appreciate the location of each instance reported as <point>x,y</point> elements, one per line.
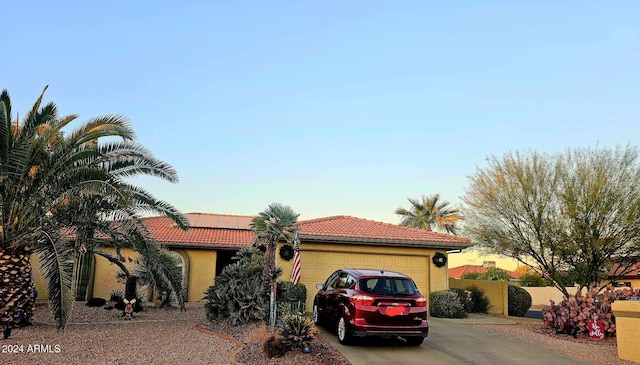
<point>429,213</point>
<point>45,177</point>
<point>275,223</point>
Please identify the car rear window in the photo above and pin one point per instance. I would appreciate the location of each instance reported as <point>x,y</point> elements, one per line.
<point>388,286</point>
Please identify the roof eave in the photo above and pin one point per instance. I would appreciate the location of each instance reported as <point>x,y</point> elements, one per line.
<point>385,242</point>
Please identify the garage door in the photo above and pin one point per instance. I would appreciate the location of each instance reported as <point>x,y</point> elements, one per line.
<point>317,266</point>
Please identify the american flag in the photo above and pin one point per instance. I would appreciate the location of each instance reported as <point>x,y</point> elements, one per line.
<point>295,272</point>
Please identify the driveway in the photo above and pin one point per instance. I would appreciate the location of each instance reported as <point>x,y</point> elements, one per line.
<point>451,342</point>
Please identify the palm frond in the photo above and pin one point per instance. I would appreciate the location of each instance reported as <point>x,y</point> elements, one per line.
<point>57,271</point>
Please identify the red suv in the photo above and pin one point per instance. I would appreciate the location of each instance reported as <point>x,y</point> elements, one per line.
<point>372,303</point>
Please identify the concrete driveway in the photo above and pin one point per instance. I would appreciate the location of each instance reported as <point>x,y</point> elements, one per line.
<point>451,342</point>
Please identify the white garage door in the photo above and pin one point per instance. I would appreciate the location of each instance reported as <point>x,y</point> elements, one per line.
<point>317,266</point>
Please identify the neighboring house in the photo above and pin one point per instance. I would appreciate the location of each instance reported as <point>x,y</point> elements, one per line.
<point>631,278</point>
<point>327,244</point>
<point>460,271</point>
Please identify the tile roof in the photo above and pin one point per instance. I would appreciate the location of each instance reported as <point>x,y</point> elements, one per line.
<point>165,231</point>
<point>632,272</point>
<point>458,272</point>
<point>351,229</point>
<point>232,231</point>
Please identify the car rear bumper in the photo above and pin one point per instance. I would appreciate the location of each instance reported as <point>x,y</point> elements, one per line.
<point>362,329</point>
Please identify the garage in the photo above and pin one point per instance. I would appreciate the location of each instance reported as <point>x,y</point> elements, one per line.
<point>320,264</point>
<point>328,244</point>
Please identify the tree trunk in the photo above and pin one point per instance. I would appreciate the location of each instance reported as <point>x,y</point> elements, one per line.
<point>269,264</point>
<point>84,276</point>
<point>17,290</point>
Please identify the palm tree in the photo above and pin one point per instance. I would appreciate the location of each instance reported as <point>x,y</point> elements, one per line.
<point>275,223</point>
<point>430,213</point>
<point>45,177</point>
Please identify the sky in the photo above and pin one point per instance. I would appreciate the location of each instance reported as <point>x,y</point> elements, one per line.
<point>332,107</point>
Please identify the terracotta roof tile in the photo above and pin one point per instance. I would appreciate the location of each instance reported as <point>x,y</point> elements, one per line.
<point>347,228</point>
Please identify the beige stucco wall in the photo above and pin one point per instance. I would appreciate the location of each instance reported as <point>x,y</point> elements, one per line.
<point>202,271</point>
<point>200,275</point>
<point>319,260</point>
<point>495,290</point>
<point>41,286</point>
<point>627,329</point>
<point>543,295</point>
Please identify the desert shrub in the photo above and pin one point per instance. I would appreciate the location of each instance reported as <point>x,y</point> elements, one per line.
<point>464,296</point>
<point>297,331</point>
<point>519,300</point>
<point>274,347</point>
<point>532,279</point>
<point>577,310</point>
<point>479,301</point>
<point>237,292</point>
<point>446,304</point>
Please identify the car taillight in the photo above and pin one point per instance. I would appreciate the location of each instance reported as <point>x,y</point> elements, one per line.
<point>421,302</point>
<point>362,299</point>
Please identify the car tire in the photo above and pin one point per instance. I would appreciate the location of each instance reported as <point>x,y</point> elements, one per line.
<point>316,315</point>
<point>414,341</point>
<point>344,335</point>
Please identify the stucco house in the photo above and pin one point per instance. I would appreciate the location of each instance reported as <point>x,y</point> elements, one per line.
<point>326,245</point>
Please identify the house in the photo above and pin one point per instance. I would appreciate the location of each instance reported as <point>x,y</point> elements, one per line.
<point>460,271</point>
<point>326,245</point>
<point>630,278</point>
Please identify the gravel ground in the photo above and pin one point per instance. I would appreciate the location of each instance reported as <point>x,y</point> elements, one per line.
<point>154,336</point>
<point>168,336</point>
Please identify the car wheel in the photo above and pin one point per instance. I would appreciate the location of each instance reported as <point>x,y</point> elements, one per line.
<point>344,336</point>
<point>316,318</point>
<point>414,341</point>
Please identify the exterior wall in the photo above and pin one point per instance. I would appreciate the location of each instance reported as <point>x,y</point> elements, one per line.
<point>542,295</point>
<point>202,271</point>
<point>627,329</point>
<point>495,290</point>
<point>105,274</point>
<point>415,262</point>
<point>200,275</point>
<point>41,286</point>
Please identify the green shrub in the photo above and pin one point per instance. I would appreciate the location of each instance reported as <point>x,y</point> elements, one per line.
<point>479,301</point>
<point>533,279</point>
<point>471,276</point>
<point>288,292</point>
<point>297,331</point>
<point>465,298</point>
<point>446,304</point>
<point>519,300</point>
<point>237,292</point>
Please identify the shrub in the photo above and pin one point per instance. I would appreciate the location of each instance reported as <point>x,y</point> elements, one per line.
<point>446,304</point>
<point>237,292</point>
<point>577,310</point>
<point>297,331</point>
<point>532,279</point>
<point>274,347</point>
<point>465,298</point>
<point>289,292</point>
<point>519,300</point>
<point>479,301</point>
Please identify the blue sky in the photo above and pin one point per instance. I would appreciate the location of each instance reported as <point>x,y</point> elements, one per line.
<point>332,107</point>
